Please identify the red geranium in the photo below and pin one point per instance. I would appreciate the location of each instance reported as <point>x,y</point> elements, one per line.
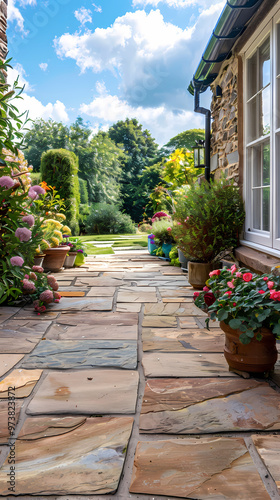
<point>209,298</point>
<point>247,276</point>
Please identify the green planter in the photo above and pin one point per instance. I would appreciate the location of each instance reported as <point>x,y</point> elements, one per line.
<point>166,247</point>
<point>80,259</point>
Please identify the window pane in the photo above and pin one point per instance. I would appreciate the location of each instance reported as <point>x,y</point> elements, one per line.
<point>264,52</point>
<point>278,49</point>
<point>266,211</point>
<point>266,165</point>
<point>265,112</point>
<point>259,115</point>
<point>252,75</point>
<point>253,130</point>
<point>256,209</point>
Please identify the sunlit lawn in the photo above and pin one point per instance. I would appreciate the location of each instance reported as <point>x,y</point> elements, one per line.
<point>119,240</point>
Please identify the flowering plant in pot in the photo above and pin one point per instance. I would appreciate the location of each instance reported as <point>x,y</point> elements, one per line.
<point>162,230</point>
<point>246,304</point>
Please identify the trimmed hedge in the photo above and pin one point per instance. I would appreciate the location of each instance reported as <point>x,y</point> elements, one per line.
<point>59,168</point>
<point>104,219</point>
<point>83,191</point>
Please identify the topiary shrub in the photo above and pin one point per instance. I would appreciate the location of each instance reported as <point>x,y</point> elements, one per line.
<point>104,219</point>
<point>83,191</point>
<point>59,168</point>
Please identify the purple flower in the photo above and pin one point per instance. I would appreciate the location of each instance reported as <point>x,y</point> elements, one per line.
<point>6,181</point>
<point>81,251</point>
<point>32,194</point>
<point>152,242</point>
<point>23,234</point>
<point>17,261</point>
<point>29,219</point>
<point>28,286</point>
<point>38,190</point>
<point>151,236</point>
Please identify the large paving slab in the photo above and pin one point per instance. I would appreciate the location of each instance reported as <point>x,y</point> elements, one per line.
<point>137,294</point>
<point>17,337</point>
<point>65,354</point>
<point>160,321</point>
<point>104,282</point>
<point>182,294</point>
<point>130,307</point>
<point>84,304</point>
<point>268,447</point>
<point>7,312</point>
<point>178,340</point>
<point>118,319</point>
<point>98,291</point>
<point>181,282</point>
<point>30,314</point>
<point>173,309</point>
<point>86,392</point>
<point>163,364</point>
<point>8,422</point>
<point>22,382</point>
<point>8,361</point>
<point>198,406</point>
<point>210,468</point>
<point>85,460</point>
<point>98,332</point>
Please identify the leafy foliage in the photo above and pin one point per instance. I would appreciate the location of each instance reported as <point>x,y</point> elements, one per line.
<point>104,218</point>
<point>162,230</point>
<point>185,140</point>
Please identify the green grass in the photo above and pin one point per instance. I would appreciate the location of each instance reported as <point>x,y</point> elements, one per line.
<point>92,250</point>
<point>120,240</point>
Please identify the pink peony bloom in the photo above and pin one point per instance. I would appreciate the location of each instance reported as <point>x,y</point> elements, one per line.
<point>238,274</point>
<point>29,219</point>
<point>16,261</point>
<point>6,182</point>
<point>247,276</point>
<point>28,286</point>
<point>216,272</point>
<point>23,234</point>
<point>37,269</point>
<point>270,285</point>
<point>261,292</point>
<point>46,296</point>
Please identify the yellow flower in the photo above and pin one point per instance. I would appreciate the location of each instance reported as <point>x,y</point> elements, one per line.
<point>61,216</point>
<point>54,241</point>
<point>53,222</point>
<point>58,234</point>
<point>44,245</point>
<point>66,230</point>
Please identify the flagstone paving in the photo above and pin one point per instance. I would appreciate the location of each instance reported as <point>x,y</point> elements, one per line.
<point>114,390</point>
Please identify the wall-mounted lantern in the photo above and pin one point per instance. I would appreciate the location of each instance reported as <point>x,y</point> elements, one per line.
<point>199,154</point>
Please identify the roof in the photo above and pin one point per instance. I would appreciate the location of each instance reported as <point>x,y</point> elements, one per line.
<point>231,24</point>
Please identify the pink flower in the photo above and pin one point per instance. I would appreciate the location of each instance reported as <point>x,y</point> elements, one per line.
<point>33,276</point>
<point>230,284</point>
<point>32,194</point>
<point>233,269</point>
<point>247,276</point>
<point>206,289</point>
<point>28,286</point>
<point>270,285</point>
<point>37,269</point>
<point>265,278</point>
<point>261,292</point>
<point>57,296</point>
<point>195,295</point>
<point>7,182</point>
<point>186,219</point>
<point>38,189</point>
<point>26,276</point>
<point>179,224</point>
<point>16,261</point>
<point>275,295</point>
<point>228,293</point>
<point>46,296</point>
<point>238,274</point>
<point>169,229</point>
<point>216,272</point>
<point>23,234</point>
<point>54,286</point>
<point>29,219</point>
<point>56,300</point>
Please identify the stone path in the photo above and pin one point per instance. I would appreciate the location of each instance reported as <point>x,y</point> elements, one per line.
<point>120,392</point>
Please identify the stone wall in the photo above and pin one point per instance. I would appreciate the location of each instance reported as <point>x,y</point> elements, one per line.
<point>224,140</point>
<point>3,27</point>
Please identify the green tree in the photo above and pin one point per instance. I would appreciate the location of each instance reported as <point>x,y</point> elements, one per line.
<point>184,140</point>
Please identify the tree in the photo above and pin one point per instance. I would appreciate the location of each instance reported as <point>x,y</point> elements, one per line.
<point>184,140</point>
<point>140,151</point>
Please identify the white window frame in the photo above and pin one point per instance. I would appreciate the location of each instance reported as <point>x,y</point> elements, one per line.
<point>265,241</point>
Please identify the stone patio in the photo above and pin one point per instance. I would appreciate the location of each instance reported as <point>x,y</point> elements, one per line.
<point>120,392</point>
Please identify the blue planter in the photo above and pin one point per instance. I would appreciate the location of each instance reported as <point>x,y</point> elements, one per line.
<point>152,247</point>
<point>166,247</point>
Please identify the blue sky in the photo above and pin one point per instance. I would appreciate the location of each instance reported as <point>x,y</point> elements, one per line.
<point>112,59</point>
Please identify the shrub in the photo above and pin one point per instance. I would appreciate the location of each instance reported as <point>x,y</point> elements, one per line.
<point>144,228</point>
<point>173,255</point>
<point>59,168</point>
<point>83,191</point>
<point>162,230</point>
<point>104,219</point>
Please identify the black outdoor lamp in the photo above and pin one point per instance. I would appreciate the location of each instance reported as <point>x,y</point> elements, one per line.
<point>199,154</point>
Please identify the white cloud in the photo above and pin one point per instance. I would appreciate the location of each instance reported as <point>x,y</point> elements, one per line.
<point>15,15</point>
<point>83,15</point>
<point>179,4</point>
<point>97,8</point>
<point>162,123</point>
<point>101,88</point>
<point>57,111</point>
<point>43,66</point>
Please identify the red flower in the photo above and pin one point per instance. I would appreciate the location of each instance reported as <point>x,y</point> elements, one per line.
<point>228,293</point>
<point>270,285</point>
<point>234,304</point>
<point>206,289</point>
<point>195,295</point>
<point>261,291</point>
<point>209,298</point>
<point>265,278</point>
<point>238,274</point>
<point>275,295</point>
<point>216,272</point>
<point>247,276</point>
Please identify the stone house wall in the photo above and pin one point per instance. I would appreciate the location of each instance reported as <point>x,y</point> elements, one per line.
<point>224,139</point>
<point>3,27</point>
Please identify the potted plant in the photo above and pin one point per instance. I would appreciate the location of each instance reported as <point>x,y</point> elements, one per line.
<point>208,219</point>
<point>248,308</point>
<point>162,230</point>
<point>152,246</point>
<point>78,248</point>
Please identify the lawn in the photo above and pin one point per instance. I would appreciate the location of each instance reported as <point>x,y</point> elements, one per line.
<point>135,241</point>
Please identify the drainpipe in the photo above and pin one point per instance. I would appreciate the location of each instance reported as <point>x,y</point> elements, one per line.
<point>207,113</point>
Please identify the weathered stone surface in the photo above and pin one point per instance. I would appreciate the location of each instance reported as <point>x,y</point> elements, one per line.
<point>29,314</point>
<point>7,312</point>
<point>65,354</point>
<point>98,291</point>
<point>197,322</point>
<point>268,447</point>
<point>275,375</point>
<point>159,321</point>
<point>5,423</point>
<point>104,282</point>
<point>171,340</point>
<point>120,319</point>
<point>64,283</point>
<point>133,307</point>
<point>173,309</point>
<point>203,469</point>
<point>7,361</point>
<point>22,381</point>
<point>137,294</point>
<point>198,406</point>
<point>170,294</point>
<point>98,332</point>
<point>86,392</point>
<point>86,460</point>
<point>180,282</point>
<point>21,337</point>
<point>163,364</point>
<point>84,304</point>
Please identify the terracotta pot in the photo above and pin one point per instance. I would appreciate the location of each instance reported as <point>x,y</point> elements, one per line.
<point>256,357</point>
<point>55,258</point>
<point>38,260</point>
<point>199,273</point>
<point>70,259</point>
